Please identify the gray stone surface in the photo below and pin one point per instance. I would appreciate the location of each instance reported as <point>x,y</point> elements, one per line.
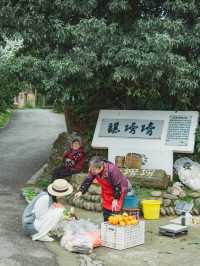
<point>197,203</point>
<point>156,193</point>
<point>37,175</point>
<point>91,260</point>
<point>169,190</point>
<point>195,211</point>
<point>166,202</point>
<point>182,194</point>
<point>195,195</point>
<point>169,196</point>
<point>172,211</point>
<point>162,211</point>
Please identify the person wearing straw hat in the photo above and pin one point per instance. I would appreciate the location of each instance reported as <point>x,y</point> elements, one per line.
<point>46,210</point>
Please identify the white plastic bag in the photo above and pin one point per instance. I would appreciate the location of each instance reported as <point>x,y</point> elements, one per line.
<point>183,206</point>
<point>75,236</point>
<point>188,172</point>
<point>188,219</point>
<point>180,162</point>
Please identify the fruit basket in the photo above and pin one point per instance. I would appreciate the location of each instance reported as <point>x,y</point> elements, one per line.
<point>122,237</point>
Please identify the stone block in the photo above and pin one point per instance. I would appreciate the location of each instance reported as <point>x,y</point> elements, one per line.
<point>169,196</point>
<point>148,178</point>
<point>166,202</point>
<point>156,193</point>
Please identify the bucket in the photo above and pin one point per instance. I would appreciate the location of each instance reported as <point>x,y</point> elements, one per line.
<point>151,209</point>
<point>130,202</point>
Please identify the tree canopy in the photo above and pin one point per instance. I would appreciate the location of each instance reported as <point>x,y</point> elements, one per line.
<point>9,85</point>
<point>96,54</point>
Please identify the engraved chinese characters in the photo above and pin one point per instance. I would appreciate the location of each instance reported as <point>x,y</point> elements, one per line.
<point>131,128</point>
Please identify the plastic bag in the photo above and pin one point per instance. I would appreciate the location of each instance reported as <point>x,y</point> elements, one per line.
<point>188,172</point>
<point>80,236</point>
<point>188,219</point>
<point>183,206</point>
<point>180,162</point>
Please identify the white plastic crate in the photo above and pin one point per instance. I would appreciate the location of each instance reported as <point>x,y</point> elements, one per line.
<point>122,237</point>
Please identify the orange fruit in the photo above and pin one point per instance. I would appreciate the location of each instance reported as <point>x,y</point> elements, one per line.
<point>133,222</point>
<point>115,220</point>
<point>122,223</point>
<point>126,219</point>
<point>110,219</point>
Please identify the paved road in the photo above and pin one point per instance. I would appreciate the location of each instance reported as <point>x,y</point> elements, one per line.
<point>24,146</point>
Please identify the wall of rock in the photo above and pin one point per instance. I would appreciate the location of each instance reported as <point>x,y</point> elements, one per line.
<point>169,197</point>
<point>169,201</point>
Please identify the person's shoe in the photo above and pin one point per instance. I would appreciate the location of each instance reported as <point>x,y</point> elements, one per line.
<point>46,238</point>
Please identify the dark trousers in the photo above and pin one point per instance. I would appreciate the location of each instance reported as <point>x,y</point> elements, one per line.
<point>61,172</point>
<point>106,214</point>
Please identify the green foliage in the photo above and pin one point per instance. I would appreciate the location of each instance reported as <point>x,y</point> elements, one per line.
<point>143,192</point>
<point>29,193</point>
<point>28,105</point>
<point>4,118</point>
<point>198,140</point>
<point>9,85</point>
<point>42,183</point>
<point>96,54</point>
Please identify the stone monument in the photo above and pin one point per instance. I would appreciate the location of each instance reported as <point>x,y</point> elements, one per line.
<point>154,134</point>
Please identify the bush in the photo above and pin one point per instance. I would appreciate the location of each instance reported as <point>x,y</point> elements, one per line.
<point>4,118</point>
<point>29,105</point>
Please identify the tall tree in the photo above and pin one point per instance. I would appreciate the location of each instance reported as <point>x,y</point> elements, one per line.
<point>9,85</point>
<point>96,54</point>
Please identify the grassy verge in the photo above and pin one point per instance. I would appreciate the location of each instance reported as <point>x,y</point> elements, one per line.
<point>4,118</point>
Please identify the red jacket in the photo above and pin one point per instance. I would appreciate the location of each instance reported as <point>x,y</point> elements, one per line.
<point>74,160</point>
<point>113,185</point>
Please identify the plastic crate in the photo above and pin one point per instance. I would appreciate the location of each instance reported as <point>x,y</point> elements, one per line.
<point>122,237</point>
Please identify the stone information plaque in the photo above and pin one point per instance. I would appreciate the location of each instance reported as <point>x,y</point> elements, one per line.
<point>131,128</point>
<point>178,130</point>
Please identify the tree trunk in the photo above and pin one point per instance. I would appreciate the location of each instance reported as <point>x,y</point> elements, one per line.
<point>67,114</point>
<point>43,100</point>
<point>35,97</point>
<point>130,105</point>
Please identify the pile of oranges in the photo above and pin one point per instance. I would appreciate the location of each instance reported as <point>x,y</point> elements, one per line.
<point>122,219</point>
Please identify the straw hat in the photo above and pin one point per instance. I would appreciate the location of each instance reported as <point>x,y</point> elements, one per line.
<point>60,188</point>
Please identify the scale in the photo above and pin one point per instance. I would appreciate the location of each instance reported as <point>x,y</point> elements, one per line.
<point>173,230</point>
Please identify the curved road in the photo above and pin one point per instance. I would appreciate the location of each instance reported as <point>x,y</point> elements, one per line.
<point>25,144</point>
<point>24,147</point>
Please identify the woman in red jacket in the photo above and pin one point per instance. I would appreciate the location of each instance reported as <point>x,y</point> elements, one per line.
<point>73,161</point>
<point>113,184</point>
